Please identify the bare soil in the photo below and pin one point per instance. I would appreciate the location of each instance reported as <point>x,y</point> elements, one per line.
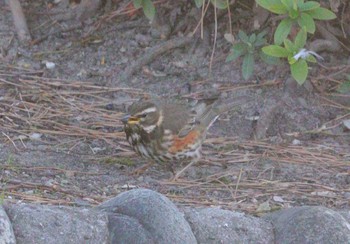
<point>61,140</point>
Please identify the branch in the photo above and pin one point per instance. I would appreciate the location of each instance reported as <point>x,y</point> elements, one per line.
<point>19,20</point>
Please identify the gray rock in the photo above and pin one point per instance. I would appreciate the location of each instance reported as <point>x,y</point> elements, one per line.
<point>213,225</point>
<point>309,225</point>
<point>153,213</point>
<point>124,229</point>
<point>345,214</point>
<point>34,223</point>
<point>6,232</point>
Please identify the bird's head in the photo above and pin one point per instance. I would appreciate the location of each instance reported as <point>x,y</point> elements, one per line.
<point>144,115</point>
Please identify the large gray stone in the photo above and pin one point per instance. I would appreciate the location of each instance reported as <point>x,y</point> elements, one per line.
<point>6,232</point>
<point>159,218</point>
<point>345,214</point>
<point>124,229</point>
<point>214,225</point>
<point>46,224</point>
<point>309,225</point>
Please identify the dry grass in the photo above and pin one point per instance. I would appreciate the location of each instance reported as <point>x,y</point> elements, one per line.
<point>71,111</point>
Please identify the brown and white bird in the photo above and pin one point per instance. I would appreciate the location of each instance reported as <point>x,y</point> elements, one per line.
<point>164,131</point>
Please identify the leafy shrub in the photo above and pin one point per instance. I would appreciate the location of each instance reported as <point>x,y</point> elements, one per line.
<point>247,47</point>
<point>295,53</point>
<point>300,13</point>
<point>297,12</point>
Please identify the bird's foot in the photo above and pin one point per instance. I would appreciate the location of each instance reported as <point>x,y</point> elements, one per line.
<point>140,170</point>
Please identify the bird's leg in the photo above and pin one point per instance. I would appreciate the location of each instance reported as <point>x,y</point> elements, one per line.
<point>177,175</point>
<point>140,170</point>
<point>170,166</point>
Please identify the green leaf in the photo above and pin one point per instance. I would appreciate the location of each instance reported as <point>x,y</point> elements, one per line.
<point>295,5</point>
<point>282,31</point>
<point>261,35</point>
<point>137,3</point>
<point>299,2</point>
<point>276,51</point>
<point>311,59</point>
<point>308,22</point>
<point>300,39</point>
<point>199,3</point>
<point>236,51</point>
<point>250,47</point>
<point>289,45</point>
<point>293,14</point>
<point>278,9</point>
<point>248,66</point>
<point>220,4</point>
<point>344,87</point>
<point>148,9</point>
<point>269,59</point>
<point>252,38</point>
<point>243,36</point>
<point>259,42</point>
<point>268,3</point>
<point>299,71</point>
<point>260,39</point>
<point>291,60</point>
<point>321,14</point>
<point>288,4</point>
<point>310,5</point>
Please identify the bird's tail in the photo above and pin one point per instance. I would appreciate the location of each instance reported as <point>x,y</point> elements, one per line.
<point>212,111</point>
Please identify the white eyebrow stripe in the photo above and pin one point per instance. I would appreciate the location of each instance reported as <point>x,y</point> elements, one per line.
<point>147,110</point>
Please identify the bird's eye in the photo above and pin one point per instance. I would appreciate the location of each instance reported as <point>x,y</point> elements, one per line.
<point>143,115</point>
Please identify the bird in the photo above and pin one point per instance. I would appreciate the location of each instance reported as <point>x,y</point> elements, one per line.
<point>164,130</point>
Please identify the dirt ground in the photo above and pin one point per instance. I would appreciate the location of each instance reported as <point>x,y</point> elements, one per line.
<point>61,140</point>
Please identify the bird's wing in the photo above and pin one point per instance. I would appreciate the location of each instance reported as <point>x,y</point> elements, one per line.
<point>176,117</point>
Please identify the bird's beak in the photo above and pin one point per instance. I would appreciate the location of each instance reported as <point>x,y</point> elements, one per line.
<point>125,119</point>
<point>128,119</point>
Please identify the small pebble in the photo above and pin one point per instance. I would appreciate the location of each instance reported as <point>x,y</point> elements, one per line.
<point>22,137</point>
<point>35,136</point>
<point>229,37</point>
<point>50,65</point>
<point>278,199</point>
<point>346,123</point>
<point>296,142</point>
